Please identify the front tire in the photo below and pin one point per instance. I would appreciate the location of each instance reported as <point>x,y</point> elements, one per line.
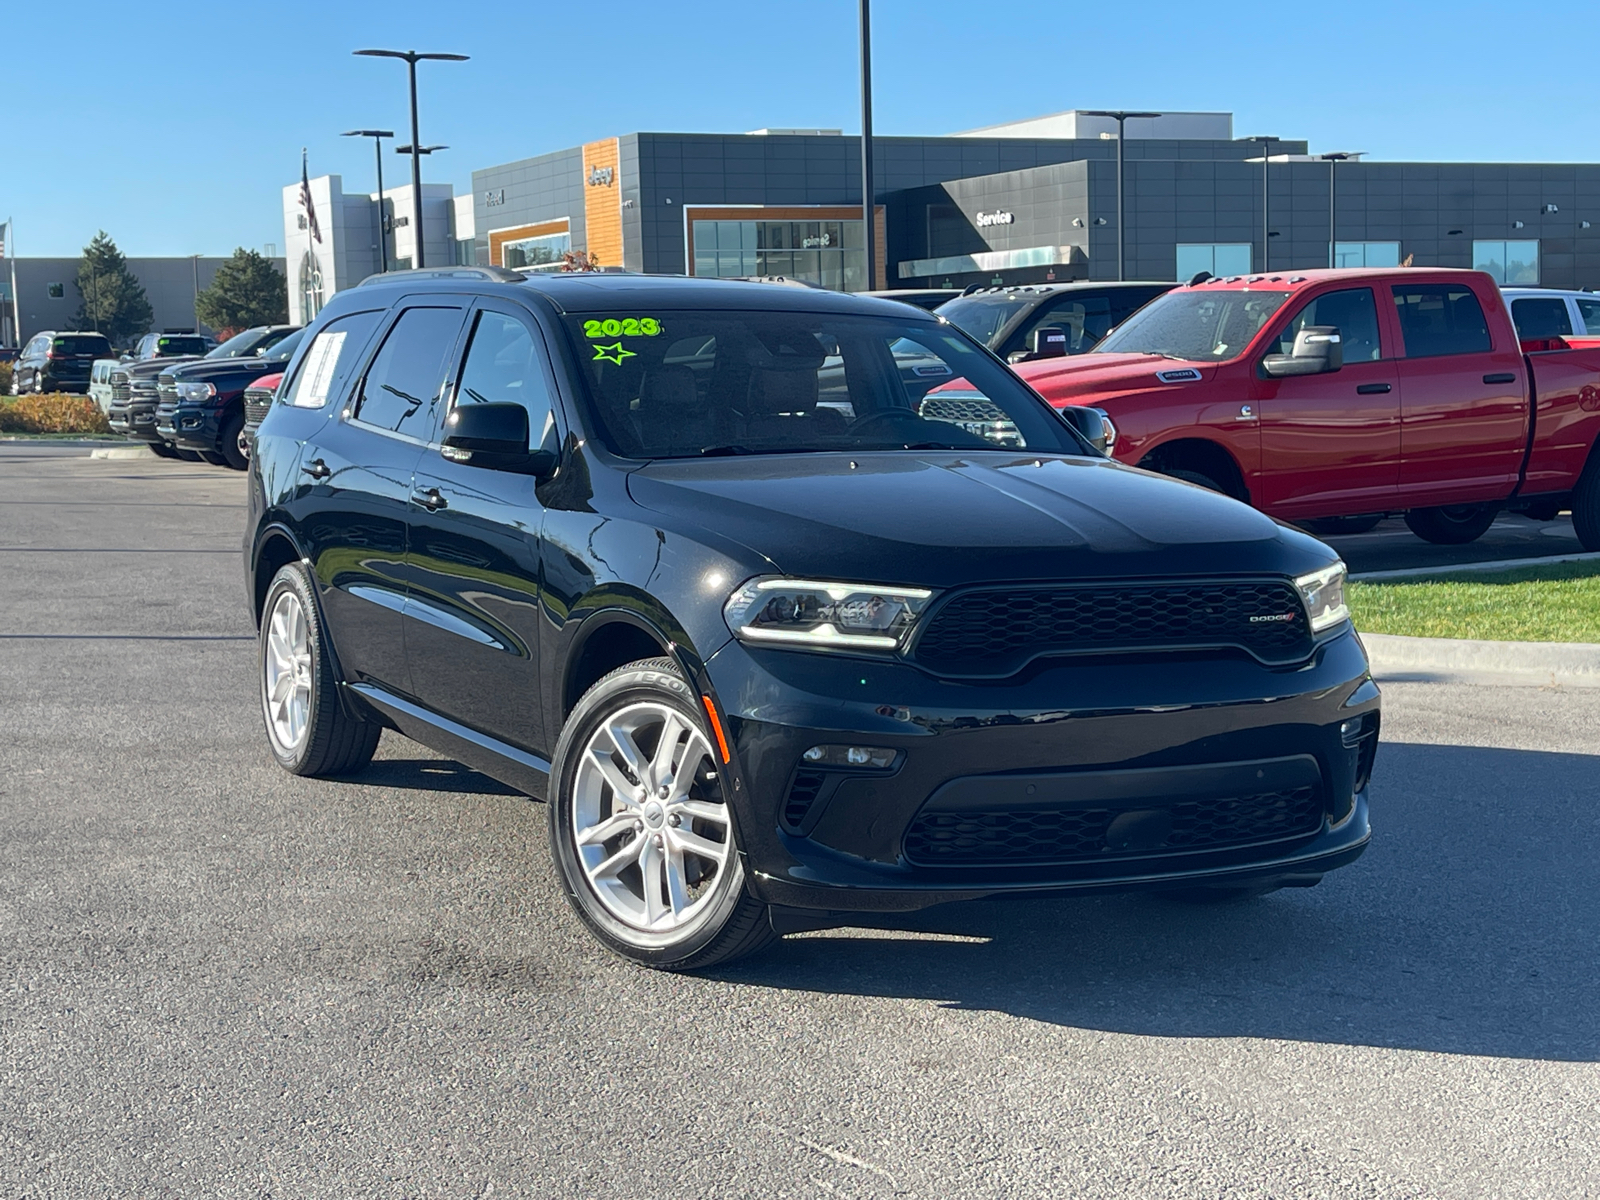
<point>163,450</point>
<point>1453,526</point>
<point>1341,526</point>
<point>1198,478</point>
<point>640,828</point>
<point>228,443</point>
<point>308,730</point>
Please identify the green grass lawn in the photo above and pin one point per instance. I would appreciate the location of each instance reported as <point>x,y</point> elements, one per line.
<point>1559,602</point>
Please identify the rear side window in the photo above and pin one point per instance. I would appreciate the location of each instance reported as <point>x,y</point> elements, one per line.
<point>1441,318</point>
<point>1541,317</point>
<point>1355,313</point>
<point>325,368</point>
<point>1589,312</point>
<point>81,344</point>
<point>402,389</point>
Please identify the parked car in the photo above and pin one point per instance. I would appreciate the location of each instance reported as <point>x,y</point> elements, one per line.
<point>1549,313</point>
<point>55,361</point>
<point>929,298</point>
<point>773,663</point>
<point>170,344</point>
<point>135,388</point>
<point>1008,319</point>
<point>1348,394</point>
<point>200,404</point>
<point>258,399</point>
<point>100,382</point>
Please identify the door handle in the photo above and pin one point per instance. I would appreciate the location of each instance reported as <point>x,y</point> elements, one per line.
<point>429,498</point>
<point>1502,377</point>
<point>316,468</point>
<point>1372,389</point>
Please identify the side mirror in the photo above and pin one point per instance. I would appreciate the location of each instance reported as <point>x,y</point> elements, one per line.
<point>495,437</point>
<point>1092,425</point>
<point>1318,350</point>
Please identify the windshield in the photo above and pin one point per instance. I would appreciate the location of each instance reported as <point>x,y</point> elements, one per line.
<point>1195,325</point>
<point>172,347</point>
<point>247,344</point>
<point>983,316</point>
<point>284,346</point>
<point>687,384</point>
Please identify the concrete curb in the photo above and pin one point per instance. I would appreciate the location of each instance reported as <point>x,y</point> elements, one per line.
<point>1501,564</point>
<point>120,452</point>
<point>1450,660</point>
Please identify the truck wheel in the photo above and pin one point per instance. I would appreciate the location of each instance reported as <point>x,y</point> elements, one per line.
<point>228,443</point>
<point>186,455</point>
<point>1586,507</point>
<point>308,730</point>
<point>1341,526</point>
<point>1453,526</point>
<point>1196,477</point>
<point>163,450</point>
<point>640,829</point>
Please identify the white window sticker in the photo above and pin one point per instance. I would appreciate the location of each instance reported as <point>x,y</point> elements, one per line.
<point>316,377</point>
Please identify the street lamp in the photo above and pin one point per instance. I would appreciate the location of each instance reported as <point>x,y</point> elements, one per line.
<point>194,263</point>
<point>1266,234</point>
<point>1332,157</point>
<point>411,59</point>
<point>377,136</point>
<point>1120,117</point>
<point>869,214</point>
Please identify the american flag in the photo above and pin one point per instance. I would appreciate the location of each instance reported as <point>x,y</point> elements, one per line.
<point>305,200</point>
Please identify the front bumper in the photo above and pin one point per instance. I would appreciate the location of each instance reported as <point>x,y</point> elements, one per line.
<point>136,419</point>
<point>196,427</point>
<point>1149,744</point>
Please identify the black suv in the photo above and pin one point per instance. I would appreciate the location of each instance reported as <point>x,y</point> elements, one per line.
<point>1009,320</point>
<point>57,362</point>
<point>782,629</point>
<point>200,406</point>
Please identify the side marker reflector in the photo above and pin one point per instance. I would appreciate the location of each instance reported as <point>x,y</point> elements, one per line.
<point>716,728</point>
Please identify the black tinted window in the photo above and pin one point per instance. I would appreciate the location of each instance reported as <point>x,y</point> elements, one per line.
<point>172,347</point>
<point>402,387</point>
<point>504,365</point>
<point>1541,317</point>
<point>81,343</point>
<point>1355,313</point>
<point>1441,318</point>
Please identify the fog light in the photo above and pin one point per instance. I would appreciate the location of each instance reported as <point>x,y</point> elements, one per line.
<point>871,757</point>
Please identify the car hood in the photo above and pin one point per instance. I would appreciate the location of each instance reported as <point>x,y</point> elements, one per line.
<point>941,519</point>
<point>149,368</point>
<point>215,368</point>
<point>1099,374</point>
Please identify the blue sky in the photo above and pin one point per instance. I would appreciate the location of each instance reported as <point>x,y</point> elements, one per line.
<point>178,125</point>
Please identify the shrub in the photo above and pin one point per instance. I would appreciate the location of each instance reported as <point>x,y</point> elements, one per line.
<point>56,412</point>
<point>5,379</point>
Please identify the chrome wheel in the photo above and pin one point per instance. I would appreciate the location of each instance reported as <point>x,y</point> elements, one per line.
<point>286,673</point>
<point>651,832</point>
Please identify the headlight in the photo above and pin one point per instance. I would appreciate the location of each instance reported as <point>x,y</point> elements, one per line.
<point>801,612</point>
<point>196,391</point>
<point>1323,592</point>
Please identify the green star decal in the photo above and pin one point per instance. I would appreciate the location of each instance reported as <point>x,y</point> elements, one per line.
<point>613,353</point>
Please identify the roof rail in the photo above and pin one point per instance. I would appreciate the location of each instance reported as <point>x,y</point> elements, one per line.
<point>485,274</point>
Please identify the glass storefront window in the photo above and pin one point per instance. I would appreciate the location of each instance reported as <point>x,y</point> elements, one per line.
<point>537,253</point>
<point>826,253</point>
<point>1219,258</point>
<point>1366,254</point>
<point>1510,263</point>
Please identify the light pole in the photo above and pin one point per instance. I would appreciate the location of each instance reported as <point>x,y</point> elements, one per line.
<point>412,58</point>
<point>1266,232</point>
<point>416,208</point>
<point>377,136</point>
<point>1332,157</point>
<point>869,224</point>
<point>194,262</point>
<point>1121,118</point>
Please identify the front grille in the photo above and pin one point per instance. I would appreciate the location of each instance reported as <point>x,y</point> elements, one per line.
<point>257,403</point>
<point>996,632</point>
<point>119,387</point>
<point>995,837</point>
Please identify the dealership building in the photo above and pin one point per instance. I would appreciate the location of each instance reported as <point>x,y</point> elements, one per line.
<point>1030,201</point>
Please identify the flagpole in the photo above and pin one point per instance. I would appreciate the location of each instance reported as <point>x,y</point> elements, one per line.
<point>11,259</point>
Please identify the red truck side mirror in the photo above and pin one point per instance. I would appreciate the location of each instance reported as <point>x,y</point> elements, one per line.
<point>1318,350</point>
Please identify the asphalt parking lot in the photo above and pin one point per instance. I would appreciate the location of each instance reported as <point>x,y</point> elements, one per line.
<point>220,980</point>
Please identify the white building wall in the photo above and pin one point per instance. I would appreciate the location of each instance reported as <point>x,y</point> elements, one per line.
<point>1178,126</point>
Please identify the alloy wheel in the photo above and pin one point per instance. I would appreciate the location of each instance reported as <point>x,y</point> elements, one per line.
<point>651,832</point>
<point>286,693</point>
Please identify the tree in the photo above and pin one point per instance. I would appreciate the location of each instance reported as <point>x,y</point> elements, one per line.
<point>113,300</point>
<point>579,260</point>
<point>246,290</point>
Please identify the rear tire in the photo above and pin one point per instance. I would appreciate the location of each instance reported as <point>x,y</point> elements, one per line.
<point>1586,506</point>
<point>308,730</point>
<point>1341,526</point>
<point>1452,526</point>
<point>650,864</point>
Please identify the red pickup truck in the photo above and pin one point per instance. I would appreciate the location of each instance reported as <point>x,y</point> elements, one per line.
<point>1329,398</point>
